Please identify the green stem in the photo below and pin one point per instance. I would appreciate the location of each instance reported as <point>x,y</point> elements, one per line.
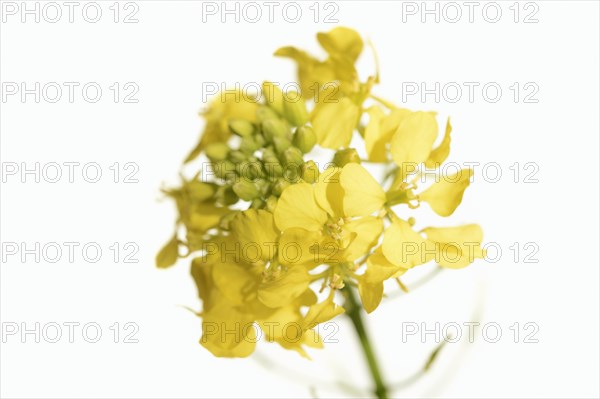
<point>354,311</point>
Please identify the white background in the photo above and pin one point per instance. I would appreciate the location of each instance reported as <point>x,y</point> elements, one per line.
<point>169,54</point>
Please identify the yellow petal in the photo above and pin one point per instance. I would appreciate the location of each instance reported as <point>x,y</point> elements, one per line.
<point>363,195</point>
<point>334,122</point>
<point>297,247</point>
<point>321,312</point>
<point>370,295</point>
<point>456,247</point>
<point>274,326</point>
<point>375,141</point>
<point>403,246</point>
<point>201,272</point>
<point>227,332</point>
<point>441,152</point>
<point>367,229</point>
<point>341,40</point>
<point>379,268</point>
<point>414,140</point>
<point>297,207</point>
<point>281,290</point>
<point>446,195</point>
<point>390,123</point>
<point>329,192</point>
<point>312,73</point>
<point>234,281</point>
<point>256,233</point>
<point>204,216</point>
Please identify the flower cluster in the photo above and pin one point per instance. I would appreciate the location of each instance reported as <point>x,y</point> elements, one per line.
<point>274,236</point>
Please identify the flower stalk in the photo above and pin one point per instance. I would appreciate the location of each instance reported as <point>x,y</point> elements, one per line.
<point>354,312</point>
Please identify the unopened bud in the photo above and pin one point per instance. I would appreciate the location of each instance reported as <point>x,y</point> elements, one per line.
<point>310,172</point>
<point>264,113</point>
<point>259,139</point>
<point>249,170</point>
<point>237,156</point>
<point>271,203</point>
<point>224,170</point>
<point>279,186</point>
<point>346,156</point>
<point>226,196</point>
<point>281,144</point>
<point>273,96</point>
<point>271,163</point>
<point>305,138</point>
<point>274,128</point>
<point>241,127</point>
<point>263,186</point>
<point>292,156</point>
<point>257,203</point>
<point>246,190</point>
<point>248,145</point>
<point>294,109</point>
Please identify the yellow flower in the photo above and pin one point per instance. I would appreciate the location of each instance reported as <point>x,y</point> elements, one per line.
<point>343,46</point>
<point>242,282</point>
<point>411,136</point>
<point>334,213</point>
<point>333,85</point>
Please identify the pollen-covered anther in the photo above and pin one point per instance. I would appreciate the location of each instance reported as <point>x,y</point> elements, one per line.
<point>336,282</point>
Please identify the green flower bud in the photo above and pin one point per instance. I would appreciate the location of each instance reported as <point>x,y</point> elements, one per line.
<point>281,144</point>
<point>271,203</point>
<point>292,155</point>
<point>273,96</point>
<point>294,109</point>
<point>246,190</point>
<point>241,127</point>
<point>274,128</point>
<point>273,169</point>
<point>310,172</point>
<point>264,187</point>
<point>264,113</point>
<point>249,170</point>
<point>217,151</point>
<point>237,156</point>
<point>271,163</point>
<point>346,156</point>
<point>224,170</point>
<point>257,203</point>
<point>249,145</point>
<point>260,141</point>
<point>226,196</point>
<point>305,138</point>
<point>268,155</point>
<point>279,186</point>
